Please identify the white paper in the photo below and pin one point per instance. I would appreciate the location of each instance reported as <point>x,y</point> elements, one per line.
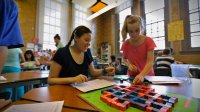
<point>37,107</point>
<point>30,46</point>
<point>195,88</point>
<point>93,85</point>
<point>2,78</point>
<point>162,79</point>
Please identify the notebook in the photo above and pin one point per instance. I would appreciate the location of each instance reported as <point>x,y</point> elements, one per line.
<point>163,80</point>
<point>93,85</point>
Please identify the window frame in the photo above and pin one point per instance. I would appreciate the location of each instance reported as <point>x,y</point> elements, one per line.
<point>125,5</point>
<point>166,21</point>
<point>186,43</point>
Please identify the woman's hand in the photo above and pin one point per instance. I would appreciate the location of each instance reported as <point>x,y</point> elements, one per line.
<point>80,79</point>
<point>110,70</point>
<point>138,79</point>
<point>132,68</point>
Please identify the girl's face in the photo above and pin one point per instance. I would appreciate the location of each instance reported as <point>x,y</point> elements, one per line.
<point>83,42</point>
<point>28,56</point>
<point>134,30</point>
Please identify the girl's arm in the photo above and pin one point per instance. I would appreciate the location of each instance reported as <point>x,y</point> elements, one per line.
<point>37,61</point>
<point>149,64</point>
<point>130,66</point>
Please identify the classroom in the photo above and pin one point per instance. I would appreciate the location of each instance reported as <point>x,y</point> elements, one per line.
<point>99,55</point>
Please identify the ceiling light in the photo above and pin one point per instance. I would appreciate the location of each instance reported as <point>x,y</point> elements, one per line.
<point>98,6</point>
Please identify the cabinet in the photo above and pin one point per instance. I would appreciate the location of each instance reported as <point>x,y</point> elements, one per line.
<point>105,52</point>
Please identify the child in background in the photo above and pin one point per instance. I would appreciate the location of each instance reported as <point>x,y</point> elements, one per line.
<point>29,56</point>
<point>165,60</point>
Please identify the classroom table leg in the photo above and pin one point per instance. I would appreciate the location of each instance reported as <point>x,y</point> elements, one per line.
<point>14,94</point>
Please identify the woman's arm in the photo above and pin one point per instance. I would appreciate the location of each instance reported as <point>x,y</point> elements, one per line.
<point>55,79</point>
<point>54,75</point>
<point>99,72</point>
<point>95,72</point>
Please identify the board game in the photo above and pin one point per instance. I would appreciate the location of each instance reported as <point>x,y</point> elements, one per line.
<point>137,96</point>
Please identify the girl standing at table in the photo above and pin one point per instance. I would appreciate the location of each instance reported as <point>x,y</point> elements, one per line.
<point>138,50</point>
<point>72,64</point>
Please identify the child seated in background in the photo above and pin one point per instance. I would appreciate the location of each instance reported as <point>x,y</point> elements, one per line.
<point>112,63</point>
<point>165,60</point>
<point>30,58</point>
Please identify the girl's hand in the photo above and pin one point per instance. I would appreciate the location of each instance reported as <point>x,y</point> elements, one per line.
<point>139,79</point>
<point>80,79</point>
<point>22,65</point>
<point>110,70</point>
<point>132,68</point>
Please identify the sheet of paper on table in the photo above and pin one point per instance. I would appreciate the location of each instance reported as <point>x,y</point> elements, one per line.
<point>163,80</point>
<point>93,85</point>
<point>37,107</point>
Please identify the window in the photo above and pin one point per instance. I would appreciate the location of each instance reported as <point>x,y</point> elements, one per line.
<point>80,16</point>
<point>51,23</point>
<point>190,14</point>
<point>122,11</point>
<point>122,16</point>
<point>52,20</point>
<point>155,22</point>
<point>194,19</point>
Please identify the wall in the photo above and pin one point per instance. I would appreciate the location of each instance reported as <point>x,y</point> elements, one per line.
<point>186,58</point>
<point>103,30</point>
<point>27,19</point>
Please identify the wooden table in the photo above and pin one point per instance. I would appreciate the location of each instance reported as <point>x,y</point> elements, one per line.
<point>59,93</point>
<point>26,79</point>
<point>31,102</point>
<point>185,89</point>
<point>71,98</point>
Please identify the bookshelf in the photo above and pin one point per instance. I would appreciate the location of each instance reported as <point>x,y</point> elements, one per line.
<point>105,52</point>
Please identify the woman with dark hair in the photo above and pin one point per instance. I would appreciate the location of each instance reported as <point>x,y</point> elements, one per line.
<point>29,56</point>
<point>72,64</point>
<point>57,41</point>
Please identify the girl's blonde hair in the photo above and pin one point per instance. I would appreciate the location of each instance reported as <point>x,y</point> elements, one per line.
<point>130,19</point>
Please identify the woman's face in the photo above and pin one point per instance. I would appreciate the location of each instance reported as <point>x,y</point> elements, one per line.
<point>134,30</point>
<point>56,40</point>
<point>83,42</point>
